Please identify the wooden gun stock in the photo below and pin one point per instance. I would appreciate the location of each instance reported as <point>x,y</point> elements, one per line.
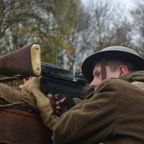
<point>24,61</point>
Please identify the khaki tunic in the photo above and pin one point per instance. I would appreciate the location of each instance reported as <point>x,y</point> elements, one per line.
<point>113,115</point>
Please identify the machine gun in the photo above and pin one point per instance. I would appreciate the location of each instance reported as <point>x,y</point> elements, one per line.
<point>57,80</point>
<point>26,62</point>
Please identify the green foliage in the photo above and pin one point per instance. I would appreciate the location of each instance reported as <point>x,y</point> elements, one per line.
<point>49,23</point>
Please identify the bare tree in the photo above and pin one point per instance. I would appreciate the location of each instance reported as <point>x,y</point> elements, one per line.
<point>138,26</point>
<point>49,23</point>
<point>103,24</point>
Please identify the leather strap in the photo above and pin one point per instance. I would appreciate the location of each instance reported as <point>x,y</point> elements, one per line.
<point>103,68</point>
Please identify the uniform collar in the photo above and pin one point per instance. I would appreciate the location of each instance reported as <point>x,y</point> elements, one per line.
<point>134,76</point>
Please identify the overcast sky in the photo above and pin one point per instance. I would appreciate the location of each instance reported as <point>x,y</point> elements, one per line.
<point>129,4</point>
<point>125,5</point>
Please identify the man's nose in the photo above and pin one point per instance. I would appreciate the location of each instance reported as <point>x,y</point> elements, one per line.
<point>93,84</point>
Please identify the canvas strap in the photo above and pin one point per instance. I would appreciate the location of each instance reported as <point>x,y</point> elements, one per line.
<point>103,69</point>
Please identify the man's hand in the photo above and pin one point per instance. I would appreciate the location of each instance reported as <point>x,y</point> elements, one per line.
<point>59,104</point>
<point>33,96</point>
<point>64,103</point>
<point>32,83</point>
<point>28,90</point>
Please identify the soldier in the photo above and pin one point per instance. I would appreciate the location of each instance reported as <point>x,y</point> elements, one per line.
<point>113,114</point>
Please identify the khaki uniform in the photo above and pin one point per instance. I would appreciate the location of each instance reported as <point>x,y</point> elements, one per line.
<point>113,115</point>
<point>20,122</point>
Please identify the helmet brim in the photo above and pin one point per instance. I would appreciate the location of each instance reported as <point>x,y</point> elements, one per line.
<point>87,66</point>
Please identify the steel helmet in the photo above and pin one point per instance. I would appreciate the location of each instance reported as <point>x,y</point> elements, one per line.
<point>112,51</point>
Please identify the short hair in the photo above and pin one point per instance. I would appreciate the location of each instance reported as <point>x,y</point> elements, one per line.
<point>115,62</point>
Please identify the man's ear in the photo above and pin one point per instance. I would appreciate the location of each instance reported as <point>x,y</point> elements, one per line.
<point>123,70</point>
